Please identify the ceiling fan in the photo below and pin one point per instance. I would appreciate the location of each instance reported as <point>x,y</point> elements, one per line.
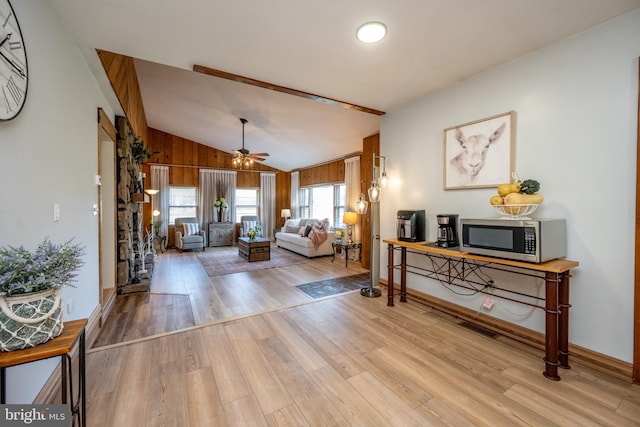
<point>243,157</point>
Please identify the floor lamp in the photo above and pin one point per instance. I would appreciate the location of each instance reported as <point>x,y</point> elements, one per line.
<point>374,199</point>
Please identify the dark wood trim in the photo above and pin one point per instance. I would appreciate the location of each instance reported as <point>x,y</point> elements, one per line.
<point>273,170</point>
<point>584,356</point>
<point>339,159</point>
<point>636,300</point>
<point>265,85</point>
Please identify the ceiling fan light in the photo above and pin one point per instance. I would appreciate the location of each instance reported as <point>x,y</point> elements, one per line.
<point>371,32</point>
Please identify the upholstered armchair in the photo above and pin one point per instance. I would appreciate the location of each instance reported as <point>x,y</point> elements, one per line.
<point>247,222</point>
<point>189,235</point>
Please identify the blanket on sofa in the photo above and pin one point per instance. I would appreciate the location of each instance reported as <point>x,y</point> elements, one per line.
<point>319,233</point>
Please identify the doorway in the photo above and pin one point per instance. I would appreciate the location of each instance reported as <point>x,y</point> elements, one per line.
<point>107,214</point>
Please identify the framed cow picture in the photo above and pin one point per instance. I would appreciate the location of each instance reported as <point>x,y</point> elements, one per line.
<point>479,154</point>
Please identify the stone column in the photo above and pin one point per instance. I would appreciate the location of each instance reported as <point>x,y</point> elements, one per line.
<point>129,215</point>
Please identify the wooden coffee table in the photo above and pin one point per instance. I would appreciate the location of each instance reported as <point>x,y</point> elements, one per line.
<point>258,249</point>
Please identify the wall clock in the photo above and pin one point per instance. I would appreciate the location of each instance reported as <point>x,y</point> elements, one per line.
<point>14,74</point>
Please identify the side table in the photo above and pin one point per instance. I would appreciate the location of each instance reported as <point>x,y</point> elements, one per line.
<point>345,246</point>
<point>258,249</point>
<point>62,345</point>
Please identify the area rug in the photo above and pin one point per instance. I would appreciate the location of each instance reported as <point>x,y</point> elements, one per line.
<point>335,286</point>
<point>225,260</point>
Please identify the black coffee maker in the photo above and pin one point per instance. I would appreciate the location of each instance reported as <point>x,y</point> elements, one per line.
<point>410,226</point>
<point>447,231</point>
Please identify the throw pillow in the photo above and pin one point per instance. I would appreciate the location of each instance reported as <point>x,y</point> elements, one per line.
<point>307,230</point>
<point>190,228</point>
<point>291,229</point>
<point>246,225</point>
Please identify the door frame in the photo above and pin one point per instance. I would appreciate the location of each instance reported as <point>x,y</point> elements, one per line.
<point>106,128</point>
<point>636,299</point>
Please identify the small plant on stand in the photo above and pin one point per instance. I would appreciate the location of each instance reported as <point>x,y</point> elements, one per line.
<point>30,292</point>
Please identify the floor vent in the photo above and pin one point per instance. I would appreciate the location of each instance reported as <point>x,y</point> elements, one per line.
<point>478,329</point>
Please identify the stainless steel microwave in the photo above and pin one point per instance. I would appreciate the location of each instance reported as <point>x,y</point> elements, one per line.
<point>531,240</point>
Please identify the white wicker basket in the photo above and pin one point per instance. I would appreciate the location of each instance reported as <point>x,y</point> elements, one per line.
<point>515,211</point>
<point>27,320</point>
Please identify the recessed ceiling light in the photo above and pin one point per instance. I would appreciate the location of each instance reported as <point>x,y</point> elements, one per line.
<point>371,32</point>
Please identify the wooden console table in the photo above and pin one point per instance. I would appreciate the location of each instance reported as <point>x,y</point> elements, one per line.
<point>221,233</point>
<point>62,345</point>
<point>456,269</point>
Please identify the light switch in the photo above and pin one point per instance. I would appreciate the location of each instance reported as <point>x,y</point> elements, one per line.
<point>56,212</point>
<point>95,209</point>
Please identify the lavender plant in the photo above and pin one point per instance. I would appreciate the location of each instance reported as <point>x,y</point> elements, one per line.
<point>49,266</point>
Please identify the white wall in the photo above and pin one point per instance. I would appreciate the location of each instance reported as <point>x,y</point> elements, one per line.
<point>48,154</point>
<point>576,104</point>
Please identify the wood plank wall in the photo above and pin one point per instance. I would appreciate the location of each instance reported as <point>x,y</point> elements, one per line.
<point>326,173</point>
<point>185,158</point>
<point>370,145</point>
<point>121,72</point>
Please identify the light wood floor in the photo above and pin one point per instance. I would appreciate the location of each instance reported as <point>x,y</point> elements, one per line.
<point>346,360</point>
<point>182,295</point>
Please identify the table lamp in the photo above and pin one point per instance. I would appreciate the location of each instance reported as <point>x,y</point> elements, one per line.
<point>285,213</point>
<point>350,218</point>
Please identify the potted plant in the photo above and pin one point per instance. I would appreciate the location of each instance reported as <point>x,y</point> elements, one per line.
<point>140,152</point>
<point>30,291</point>
<point>253,232</point>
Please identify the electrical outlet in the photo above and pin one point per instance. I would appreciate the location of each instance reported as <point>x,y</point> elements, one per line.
<point>69,306</point>
<point>487,303</point>
<point>56,212</point>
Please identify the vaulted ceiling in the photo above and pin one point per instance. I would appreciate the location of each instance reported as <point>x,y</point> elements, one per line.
<point>310,47</point>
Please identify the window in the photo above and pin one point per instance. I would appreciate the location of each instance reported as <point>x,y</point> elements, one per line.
<point>304,197</point>
<point>322,202</point>
<point>182,203</point>
<point>246,202</point>
<point>325,201</point>
<point>339,203</point>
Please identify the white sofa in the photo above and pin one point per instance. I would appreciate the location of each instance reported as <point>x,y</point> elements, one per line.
<point>289,238</point>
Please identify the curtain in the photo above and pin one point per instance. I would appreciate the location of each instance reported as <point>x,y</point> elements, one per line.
<point>295,189</point>
<point>268,204</point>
<point>213,184</point>
<point>352,184</point>
<point>160,182</point>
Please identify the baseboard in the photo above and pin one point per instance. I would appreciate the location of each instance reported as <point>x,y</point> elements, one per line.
<point>597,361</point>
<point>50,392</point>
<point>107,307</point>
